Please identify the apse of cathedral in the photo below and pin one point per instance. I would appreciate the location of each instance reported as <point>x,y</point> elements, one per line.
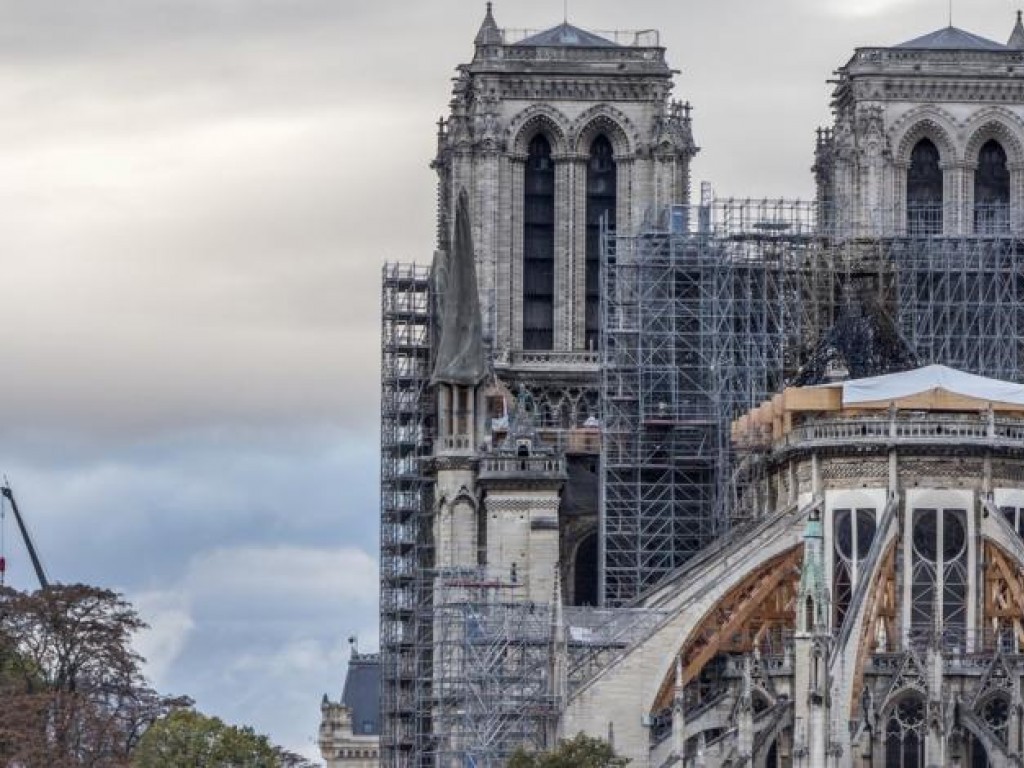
<point>726,483</point>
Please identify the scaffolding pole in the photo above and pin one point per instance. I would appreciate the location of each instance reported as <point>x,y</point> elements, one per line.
<point>407,430</point>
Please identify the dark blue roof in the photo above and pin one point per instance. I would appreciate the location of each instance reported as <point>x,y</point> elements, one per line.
<point>362,693</point>
<point>952,39</point>
<point>567,34</point>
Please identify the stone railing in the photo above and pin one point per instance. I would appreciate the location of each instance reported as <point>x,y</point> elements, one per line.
<point>932,429</point>
<point>910,58</point>
<point>504,466</point>
<point>548,358</point>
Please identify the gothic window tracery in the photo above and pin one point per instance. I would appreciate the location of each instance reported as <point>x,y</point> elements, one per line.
<point>924,190</point>
<point>995,711</point>
<point>539,246</point>
<point>939,576</point>
<point>853,531</point>
<point>904,733</point>
<point>991,190</point>
<point>601,191</point>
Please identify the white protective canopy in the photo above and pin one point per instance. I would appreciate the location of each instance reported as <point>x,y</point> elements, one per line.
<point>894,386</point>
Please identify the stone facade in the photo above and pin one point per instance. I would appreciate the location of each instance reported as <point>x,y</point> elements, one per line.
<point>571,94</point>
<point>870,612</point>
<point>869,625</point>
<point>953,89</point>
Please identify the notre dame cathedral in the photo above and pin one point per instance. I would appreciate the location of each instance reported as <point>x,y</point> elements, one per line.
<point>726,483</point>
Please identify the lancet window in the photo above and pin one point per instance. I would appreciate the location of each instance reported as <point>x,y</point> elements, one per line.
<point>939,576</point>
<point>601,185</point>
<point>904,733</point>
<point>991,190</point>
<point>853,531</point>
<point>924,190</point>
<point>539,246</point>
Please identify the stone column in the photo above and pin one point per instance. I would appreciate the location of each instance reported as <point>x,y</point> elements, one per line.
<point>577,299</point>
<point>967,197</point>
<point>517,166</point>
<point>1016,170</point>
<point>503,256</point>
<point>563,252</point>
<point>952,183</point>
<point>899,198</point>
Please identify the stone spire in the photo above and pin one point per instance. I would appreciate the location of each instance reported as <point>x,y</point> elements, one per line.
<point>460,347</point>
<point>813,594</point>
<point>1016,41</point>
<point>489,33</point>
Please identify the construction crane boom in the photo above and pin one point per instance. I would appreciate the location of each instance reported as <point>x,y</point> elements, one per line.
<point>40,573</point>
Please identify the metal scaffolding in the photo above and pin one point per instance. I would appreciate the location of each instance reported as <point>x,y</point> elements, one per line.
<point>494,686</point>
<point>407,428</point>
<point>705,313</point>
<point>698,324</point>
<point>712,309</point>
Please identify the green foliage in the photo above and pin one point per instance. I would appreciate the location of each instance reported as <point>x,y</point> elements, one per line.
<point>581,751</point>
<point>189,739</point>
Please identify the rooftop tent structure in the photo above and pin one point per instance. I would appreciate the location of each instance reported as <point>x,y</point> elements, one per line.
<point>935,387</point>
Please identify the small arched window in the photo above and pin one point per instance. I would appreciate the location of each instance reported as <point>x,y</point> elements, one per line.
<point>601,184</point>
<point>539,246</point>
<point>904,733</point>
<point>924,190</point>
<point>991,190</point>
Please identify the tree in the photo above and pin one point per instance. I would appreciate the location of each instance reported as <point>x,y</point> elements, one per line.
<point>71,689</point>
<point>189,739</point>
<point>581,751</point>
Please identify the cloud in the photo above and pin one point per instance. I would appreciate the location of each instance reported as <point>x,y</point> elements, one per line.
<point>170,625</point>
<point>253,632</point>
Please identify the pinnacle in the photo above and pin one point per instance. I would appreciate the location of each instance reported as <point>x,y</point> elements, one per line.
<point>1016,41</point>
<point>489,33</point>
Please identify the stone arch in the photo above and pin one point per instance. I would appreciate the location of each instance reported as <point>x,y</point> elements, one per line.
<point>999,124</point>
<point>607,120</point>
<point>925,123</point>
<point>734,623</point>
<point>585,554</point>
<point>538,118</point>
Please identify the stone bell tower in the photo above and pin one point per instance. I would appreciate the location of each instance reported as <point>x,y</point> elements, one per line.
<point>557,136</point>
<point>548,132</point>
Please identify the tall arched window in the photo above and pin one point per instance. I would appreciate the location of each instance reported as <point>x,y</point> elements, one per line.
<point>601,183</point>
<point>924,190</point>
<point>939,576</point>
<point>539,247</point>
<point>853,531</point>
<point>991,190</point>
<point>904,733</point>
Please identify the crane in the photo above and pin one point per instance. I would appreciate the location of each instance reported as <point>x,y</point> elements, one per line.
<point>8,494</point>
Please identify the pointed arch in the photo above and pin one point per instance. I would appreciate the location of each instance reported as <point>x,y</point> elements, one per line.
<point>925,123</point>
<point>765,600</point>
<point>999,124</point>
<point>609,121</point>
<point>538,119</point>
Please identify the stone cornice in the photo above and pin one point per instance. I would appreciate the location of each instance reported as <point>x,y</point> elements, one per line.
<point>540,88</point>
<point>1002,90</point>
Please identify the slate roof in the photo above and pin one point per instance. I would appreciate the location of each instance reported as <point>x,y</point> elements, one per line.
<point>952,39</point>
<point>362,693</point>
<point>566,34</point>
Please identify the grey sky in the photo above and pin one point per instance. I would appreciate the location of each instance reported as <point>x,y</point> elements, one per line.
<point>197,196</point>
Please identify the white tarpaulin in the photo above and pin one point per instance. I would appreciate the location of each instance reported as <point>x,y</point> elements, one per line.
<point>894,386</point>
